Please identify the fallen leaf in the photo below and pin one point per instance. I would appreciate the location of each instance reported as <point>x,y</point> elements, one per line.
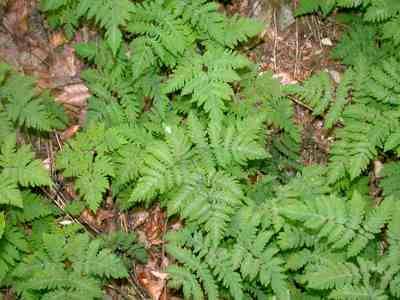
<point>65,63</point>
<point>57,39</point>
<point>96,219</point>
<point>327,42</point>
<point>153,284</point>
<point>138,218</point>
<point>155,225</point>
<point>70,132</point>
<point>16,19</point>
<point>74,94</point>
<point>47,163</point>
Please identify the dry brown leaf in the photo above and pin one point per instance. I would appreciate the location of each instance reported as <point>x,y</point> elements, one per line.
<point>57,39</point>
<point>65,63</point>
<point>97,219</point>
<point>138,218</point>
<point>153,281</point>
<point>70,132</point>
<point>16,19</point>
<point>103,215</point>
<point>74,94</point>
<point>47,163</point>
<point>88,217</point>
<point>154,226</point>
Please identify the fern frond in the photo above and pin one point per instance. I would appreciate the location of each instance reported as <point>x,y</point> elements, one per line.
<point>357,292</point>
<point>12,245</point>
<point>359,41</point>
<point>209,23</point>
<point>9,192</point>
<point>341,223</point>
<point>2,224</point>
<point>34,207</point>
<point>103,263</point>
<point>109,15</point>
<point>163,168</point>
<point>210,199</point>
<point>358,141</point>
<point>219,260</point>
<point>26,107</point>
<point>45,270</point>
<point>207,79</point>
<point>195,265</point>
<point>19,166</point>
<point>382,10</point>
<point>332,275</point>
<point>272,273</point>
<point>94,182</point>
<point>88,157</point>
<point>182,277</point>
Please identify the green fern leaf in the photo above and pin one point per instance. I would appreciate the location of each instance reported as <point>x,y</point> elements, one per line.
<point>104,263</point>
<point>272,273</point>
<point>9,192</point>
<point>195,265</point>
<point>93,183</point>
<point>24,106</point>
<point>2,224</point>
<point>351,292</point>
<point>20,166</point>
<point>332,275</point>
<point>109,15</point>
<point>34,207</point>
<point>182,277</point>
<point>390,180</point>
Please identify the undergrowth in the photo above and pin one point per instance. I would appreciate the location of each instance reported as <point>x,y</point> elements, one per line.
<point>178,116</point>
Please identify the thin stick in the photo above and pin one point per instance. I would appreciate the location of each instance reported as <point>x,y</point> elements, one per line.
<point>275,41</point>
<point>297,50</point>
<point>301,103</point>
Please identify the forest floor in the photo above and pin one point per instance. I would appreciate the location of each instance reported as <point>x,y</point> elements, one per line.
<point>27,43</point>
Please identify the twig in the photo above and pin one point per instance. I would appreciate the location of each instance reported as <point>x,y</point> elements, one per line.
<point>297,51</point>
<point>301,103</point>
<point>275,41</point>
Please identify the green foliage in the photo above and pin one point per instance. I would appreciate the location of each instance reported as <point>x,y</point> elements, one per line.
<point>206,78</point>
<point>390,180</point>
<point>22,105</point>
<point>88,159</point>
<point>45,274</point>
<point>385,13</point>
<point>2,224</point>
<point>18,168</point>
<point>317,92</point>
<point>177,116</point>
<point>126,245</point>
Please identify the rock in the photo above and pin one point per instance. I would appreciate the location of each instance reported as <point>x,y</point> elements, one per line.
<point>264,10</point>
<point>285,17</point>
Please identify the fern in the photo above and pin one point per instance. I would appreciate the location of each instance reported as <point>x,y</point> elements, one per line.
<point>44,271</point>
<point>2,224</point>
<point>177,116</point>
<point>13,245</point>
<point>88,159</point>
<point>342,224</point>
<point>207,78</point>
<point>390,180</point>
<point>318,93</point>
<point>109,15</point>
<point>18,168</point>
<point>21,105</point>
<point>195,265</point>
<point>167,164</point>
